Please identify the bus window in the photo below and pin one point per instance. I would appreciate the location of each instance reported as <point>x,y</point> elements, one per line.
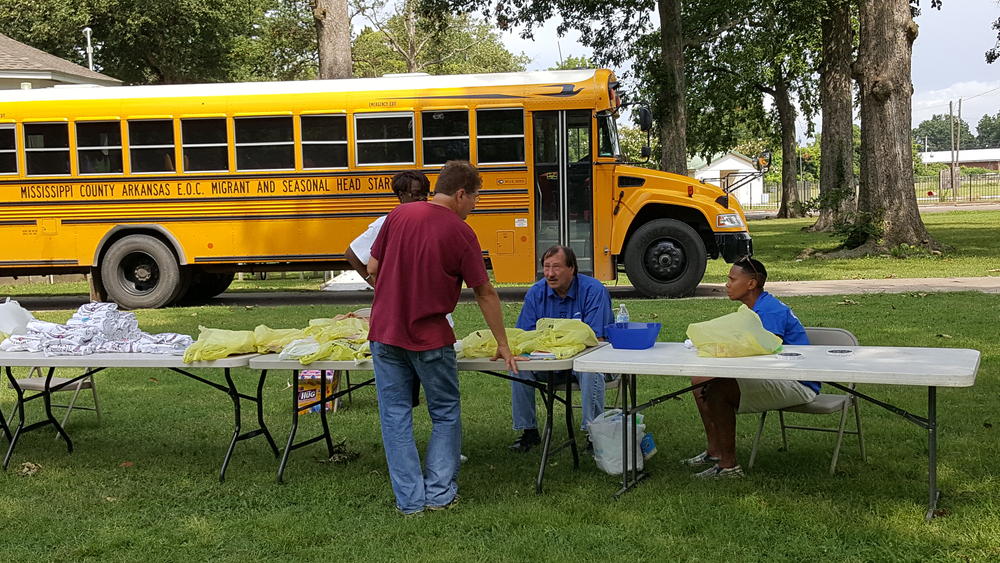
<point>500,135</point>
<point>151,146</point>
<point>99,147</point>
<point>445,136</point>
<point>607,136</point>
<point>46,148</point>
<point>264,143</point>
<point>324,141</point>
<point>384,138</point>
<point>205,145</point>
<point>8,150</point>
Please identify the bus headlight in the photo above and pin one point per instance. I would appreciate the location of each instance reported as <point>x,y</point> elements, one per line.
<point>728,220</point>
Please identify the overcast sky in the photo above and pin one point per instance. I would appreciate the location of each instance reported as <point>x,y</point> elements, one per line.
<point>948,58</point>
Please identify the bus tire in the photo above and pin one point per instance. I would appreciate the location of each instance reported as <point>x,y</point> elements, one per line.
<point>206,285</point>
<point>665,258</point>
<point>141,272</point>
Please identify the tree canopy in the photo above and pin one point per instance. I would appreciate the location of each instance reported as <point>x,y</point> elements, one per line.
<point>934,134</point>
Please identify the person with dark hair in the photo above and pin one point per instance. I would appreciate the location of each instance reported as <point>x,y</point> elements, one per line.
<point>720,400</point>
<point>409,186</point>
<point>422,255</point>
<point>562,293</point>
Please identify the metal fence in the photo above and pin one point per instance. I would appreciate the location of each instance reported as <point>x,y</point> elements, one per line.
<point>971,188</point>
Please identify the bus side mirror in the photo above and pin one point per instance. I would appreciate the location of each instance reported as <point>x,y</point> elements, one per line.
<point>763,161</point>
<point>646,151</point>
<point>645,119</point>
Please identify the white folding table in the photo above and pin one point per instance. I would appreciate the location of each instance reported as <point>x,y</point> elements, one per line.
<point>94,363</point>
<point>495,368</point>
<point>922,367</point>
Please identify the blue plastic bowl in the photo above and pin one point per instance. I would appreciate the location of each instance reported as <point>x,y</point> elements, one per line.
<point>638,336</point>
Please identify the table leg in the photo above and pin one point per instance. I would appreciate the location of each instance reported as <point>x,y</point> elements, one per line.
<point>295,426</point>
<point>322,414</point>
<point>549,400</point>
<point>570,427</point>
<point>20,417</point>
<point>631,477</point>
<point>932,491</point>
<point>260,412</point>
<point>4,427</point>
<point>47,401</point>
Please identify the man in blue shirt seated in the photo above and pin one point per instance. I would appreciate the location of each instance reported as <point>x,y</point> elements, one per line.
<point>562,293</point>
<point>721,399</point>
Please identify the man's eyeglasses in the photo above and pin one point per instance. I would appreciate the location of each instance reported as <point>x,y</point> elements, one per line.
<point>747,261</point>
<point>473,195</point>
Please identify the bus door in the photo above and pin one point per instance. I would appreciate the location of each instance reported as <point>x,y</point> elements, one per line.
<point>563,169</point>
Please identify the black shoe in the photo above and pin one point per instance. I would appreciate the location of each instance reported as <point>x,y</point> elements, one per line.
<point>528,440</point>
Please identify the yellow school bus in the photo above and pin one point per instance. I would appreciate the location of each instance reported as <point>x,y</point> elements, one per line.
<point>161,193</point>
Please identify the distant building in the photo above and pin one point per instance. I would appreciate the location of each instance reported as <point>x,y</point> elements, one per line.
<point>22,64</point>
<point>729,169</point>
<point>979,158</point>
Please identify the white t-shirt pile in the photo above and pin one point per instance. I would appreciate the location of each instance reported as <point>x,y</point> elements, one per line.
<point>93,329</point>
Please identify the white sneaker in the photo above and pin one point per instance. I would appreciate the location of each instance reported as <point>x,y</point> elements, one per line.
<point>462,458</point>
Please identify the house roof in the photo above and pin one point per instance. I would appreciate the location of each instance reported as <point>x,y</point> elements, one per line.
<point>698,162</point>
<point>972,155</point>
<point>18,60</point>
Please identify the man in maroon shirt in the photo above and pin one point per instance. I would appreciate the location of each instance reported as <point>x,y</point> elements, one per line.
<point>422,255</point>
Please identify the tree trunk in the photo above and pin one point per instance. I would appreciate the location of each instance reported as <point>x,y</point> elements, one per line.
<point>333,32</point>
<point>673,101</point>
<point>836,169</point>
<point>887,202</point>
<point>790,206</point>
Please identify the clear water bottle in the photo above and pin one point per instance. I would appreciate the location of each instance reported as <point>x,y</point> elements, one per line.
<point>621,317</point>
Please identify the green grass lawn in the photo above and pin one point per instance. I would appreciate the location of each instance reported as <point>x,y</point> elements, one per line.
<point>777,242</point>
<point>142,484</point>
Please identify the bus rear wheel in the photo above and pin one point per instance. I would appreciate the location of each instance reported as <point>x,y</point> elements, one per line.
<point>141,272</point>
<point>665,258</point>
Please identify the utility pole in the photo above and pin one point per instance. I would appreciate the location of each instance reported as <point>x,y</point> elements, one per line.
<point>958,150</point>
<point>90,49</point>
<point>954,157</point>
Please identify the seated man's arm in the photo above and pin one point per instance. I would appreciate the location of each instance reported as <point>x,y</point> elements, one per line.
<point>597,311</point>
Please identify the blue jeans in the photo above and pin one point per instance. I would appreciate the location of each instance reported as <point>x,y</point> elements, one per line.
<point>523,398</point>
<point>396,369</point>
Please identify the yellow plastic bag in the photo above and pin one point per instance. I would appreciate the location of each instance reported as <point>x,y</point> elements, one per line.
<point>350,328</point>
<point>478,344</point>
<point>522,341</point>
<point>732,336</point>
<point>564,337</point>
<point>329,351</point>
<point>274,339</point>
<point>217,343</point>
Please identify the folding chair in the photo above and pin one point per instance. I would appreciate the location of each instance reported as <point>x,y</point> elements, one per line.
<point>824,403</point>
<point>36,382</point>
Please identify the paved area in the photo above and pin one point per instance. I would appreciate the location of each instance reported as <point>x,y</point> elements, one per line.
<point>516,294</point>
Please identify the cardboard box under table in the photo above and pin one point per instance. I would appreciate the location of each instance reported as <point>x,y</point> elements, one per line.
<point>94,363</point>
<point>922,367</point>
<point>496,368</point>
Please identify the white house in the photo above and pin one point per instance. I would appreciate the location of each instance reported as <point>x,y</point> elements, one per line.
<point>982,158</point>
<point>23,66</point>
<point>729,169</point>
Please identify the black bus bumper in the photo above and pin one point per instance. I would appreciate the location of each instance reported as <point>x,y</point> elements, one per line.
<point>733,246</point>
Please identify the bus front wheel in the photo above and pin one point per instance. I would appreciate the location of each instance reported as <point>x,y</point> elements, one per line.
<point>141,272</point>
<point>665,258</point>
